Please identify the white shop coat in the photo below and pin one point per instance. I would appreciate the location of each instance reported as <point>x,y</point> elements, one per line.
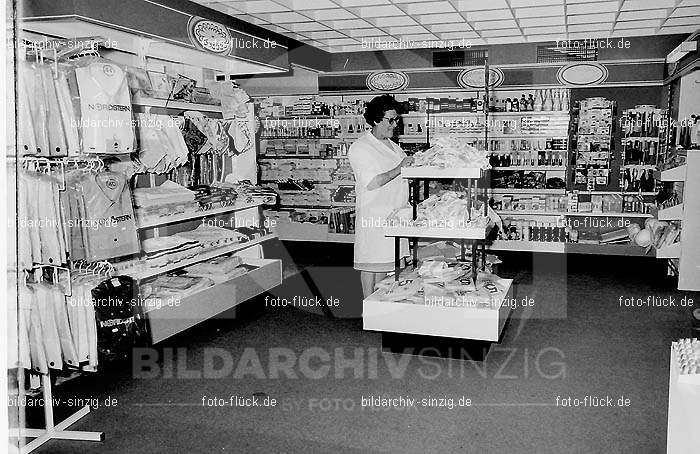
<point>369,157</point>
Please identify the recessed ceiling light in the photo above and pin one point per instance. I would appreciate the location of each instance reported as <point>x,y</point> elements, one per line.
<point>440,18</point>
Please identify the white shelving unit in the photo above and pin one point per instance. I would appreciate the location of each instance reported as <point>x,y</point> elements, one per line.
<point>174,104</point>
<point>155,221</point>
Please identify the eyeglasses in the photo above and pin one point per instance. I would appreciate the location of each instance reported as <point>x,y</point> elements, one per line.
<point>392,121</point>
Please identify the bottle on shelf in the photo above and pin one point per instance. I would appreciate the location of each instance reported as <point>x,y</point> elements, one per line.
<point>523,103</point>
<point>530,102</point>
<point>556,100</point>
<point>539,101</point>
<point>547,104</point>
<point>508,106</point>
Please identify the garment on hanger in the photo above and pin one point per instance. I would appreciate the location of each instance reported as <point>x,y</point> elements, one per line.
<point>26,141</point>
<point>105,106</point>
<point>32,85</point>
<point>67,113</point>
<point>57,138</point>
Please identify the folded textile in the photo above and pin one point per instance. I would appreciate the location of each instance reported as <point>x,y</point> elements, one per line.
<point>451,152</point>
<point>169,192</point>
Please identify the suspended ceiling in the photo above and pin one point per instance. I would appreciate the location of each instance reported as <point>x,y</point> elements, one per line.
<point>367,25</point>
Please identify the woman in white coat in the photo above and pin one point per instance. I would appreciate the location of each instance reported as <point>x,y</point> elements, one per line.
<point>376,162</point>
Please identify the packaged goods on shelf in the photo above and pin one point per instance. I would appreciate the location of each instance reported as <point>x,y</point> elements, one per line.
<point>164,250</point>
<point>181,286</point>
<point>451,152</point>
<point>531,230</point>
<point>219,269</point>
<point>447,210</point>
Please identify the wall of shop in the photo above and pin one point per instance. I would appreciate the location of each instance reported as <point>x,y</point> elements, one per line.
<point>301,81</point>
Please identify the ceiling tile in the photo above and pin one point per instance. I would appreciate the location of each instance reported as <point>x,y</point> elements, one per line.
<point>544,30</point>
<point>495,24</point>
<point>365,32</point>
<point>643,14</point>
<point>440,18</point>
<point>458,35</point>
<point>379,11</point>
<point>636,5</point>
<point>332,14</point>
<point>678,30</point>
<point>542,21</point>
<point>421,37</point>
<point>449,27</point>
<point>591,18</point>
<point>675,21</point>
<point>263,6</point>
<point>589,35</point>
<point>638,24</point>
<point>298,5</point>
<point>306,27</point>
<point>324,35</point>
<point>526,3</point>
<point>253,19</point>
<point>509,40</point>
<point>410,29</point>
<point>429,7</point>
<point>392,21</point>
<point>588,8</point>
<point>633,32</point>
<point>688,11</point>
<point>354,3</point>
<point>339,41</point>
<point>411,1</point>
<point>504,32</point>
<point>689,3</point>
<point>489,15</point>
<point>603,26</point>
<point>282,18</point>
<point>348,24</point>
<point>478,5</point>
<point>540,11</point>
<point>544,38</point>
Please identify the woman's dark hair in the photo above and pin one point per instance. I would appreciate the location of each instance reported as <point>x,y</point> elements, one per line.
<point>378,106</point>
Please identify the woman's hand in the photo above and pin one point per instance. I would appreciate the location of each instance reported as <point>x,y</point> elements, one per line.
<point>407,161</point>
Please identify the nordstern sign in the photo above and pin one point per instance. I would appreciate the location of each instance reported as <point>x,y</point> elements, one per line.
<point>209,35</point>
<point>387,81</point>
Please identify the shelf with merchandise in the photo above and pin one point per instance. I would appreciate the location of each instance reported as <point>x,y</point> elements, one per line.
<point>144,272</point>
<point>611,214</point>
<point>171,319</point>
<point>173,104</point>
<point>527,246</point>
<point>530,213</point>
<point>540,168</point>
<point>155,221</point>
<point>439,172</point>
<point>525,191</point>
<point>465,233</point>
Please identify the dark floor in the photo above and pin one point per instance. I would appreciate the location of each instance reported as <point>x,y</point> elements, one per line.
<point>577,341</point>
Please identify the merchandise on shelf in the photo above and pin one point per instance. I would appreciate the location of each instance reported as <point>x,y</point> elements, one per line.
<point>594,142</point>
<point>165,287</point>
<point>687,355</point>
<point>531,230</point>
<point>451,152</point>
<point>532,158</point>
<point>535,203</point>
<point>449,209</point>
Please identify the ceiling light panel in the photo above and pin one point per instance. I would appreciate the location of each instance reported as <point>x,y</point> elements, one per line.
<point>307,4</point>
<point>678,30</point>
<point>339,42</point>
<point>689,3</point>
<point>633,32</point>
<point>540,11</point>
<point>528,3</point>
<point>440,18</point>
<point>429,7</point>
<point>544,38</point>
<point>588,8</point>
<point>589,35</point>
<point>509,40</point>
<point>421,37</point>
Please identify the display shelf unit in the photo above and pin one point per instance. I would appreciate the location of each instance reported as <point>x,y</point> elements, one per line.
<point>472,323</point>
<point>530,213</point>
<point>155,221</point>
<point>607,249</point>
<point>527,246</point>
<point>174,104</point>
<point>540,168</point>
<point>472,233</point>
<point>169,320</point>
<point>610,214</point>
<point>525,191</point>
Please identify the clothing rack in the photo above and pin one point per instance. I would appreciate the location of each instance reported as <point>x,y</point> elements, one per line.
<point>53,430</point>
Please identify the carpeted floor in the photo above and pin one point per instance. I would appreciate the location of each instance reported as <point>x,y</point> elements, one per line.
<point>575,341</point>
